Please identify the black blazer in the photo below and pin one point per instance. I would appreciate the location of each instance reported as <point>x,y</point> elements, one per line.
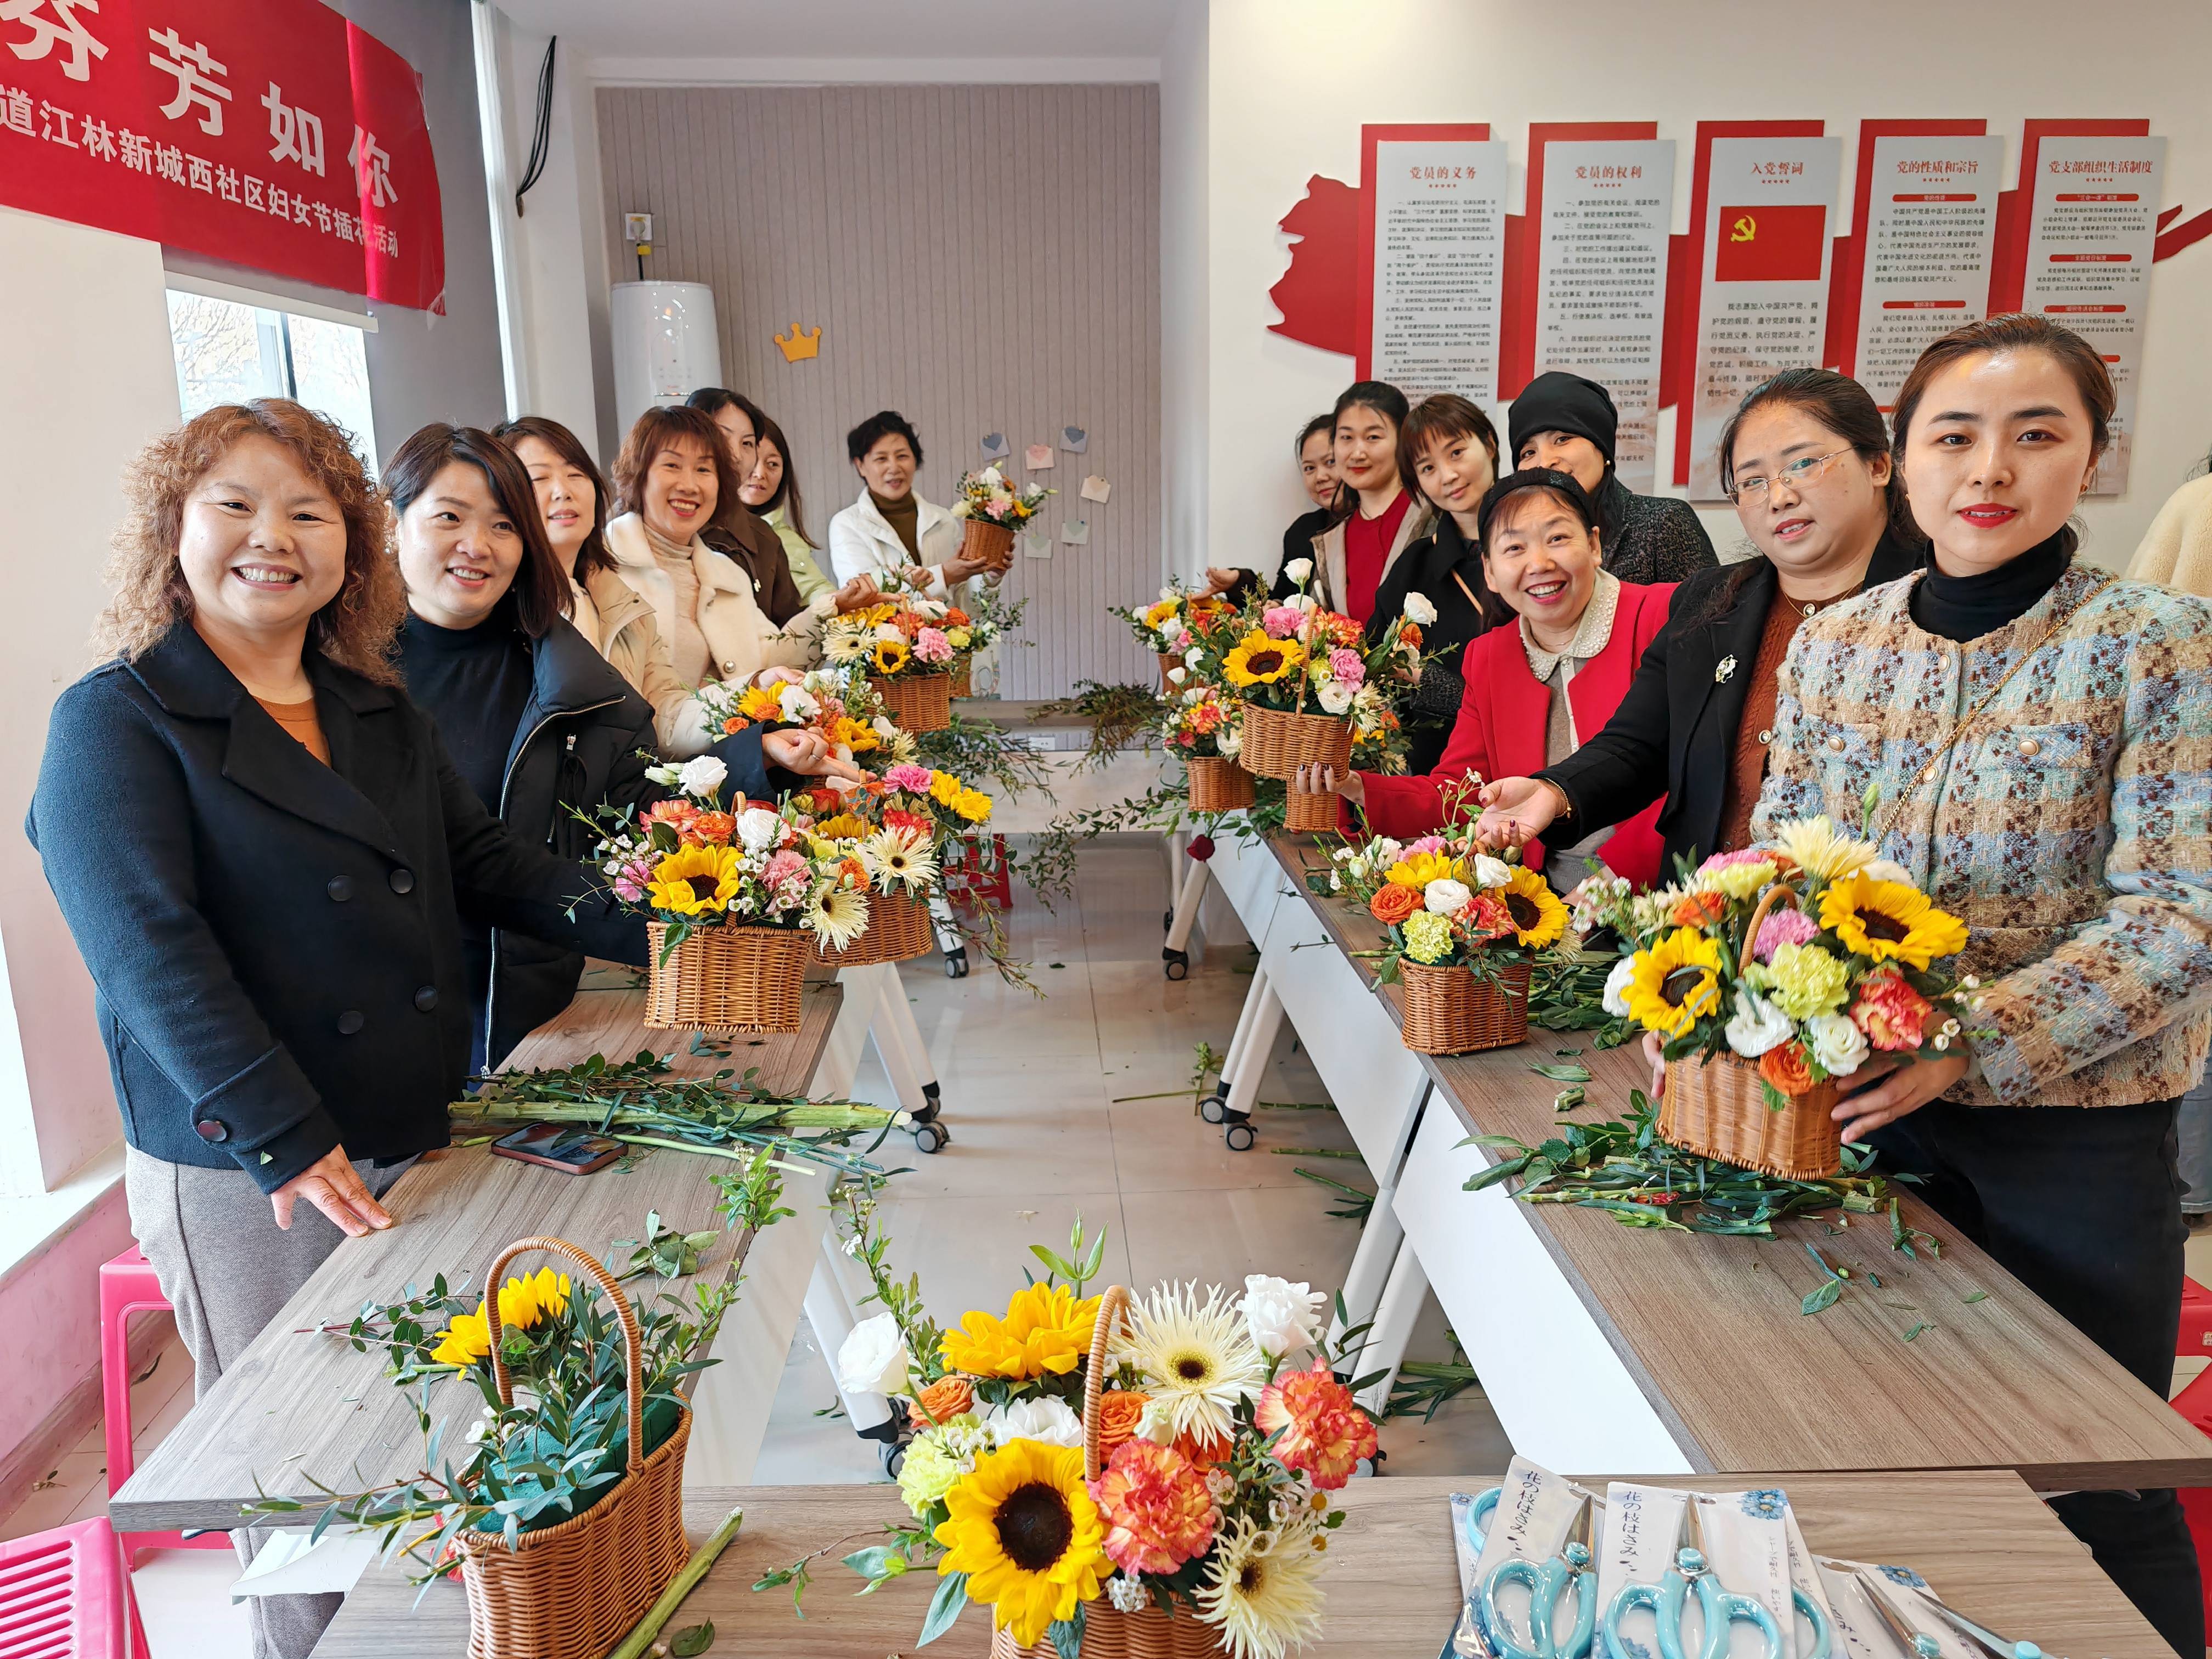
<point>1675,732</point>
<point>275,943</point>
<point>1297,543</point>
<point>1434,567</point>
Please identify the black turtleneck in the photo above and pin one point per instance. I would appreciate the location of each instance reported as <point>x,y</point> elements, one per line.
<point>1962,608</point>
<point>475,683</point>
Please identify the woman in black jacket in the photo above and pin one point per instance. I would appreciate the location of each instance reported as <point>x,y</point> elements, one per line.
<point>1567,422</point>
<point>264,854</point>
<point>1806,459</point>
<point>1316,450</point>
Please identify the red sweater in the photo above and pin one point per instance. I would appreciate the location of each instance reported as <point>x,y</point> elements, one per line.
<point>1500,731</point>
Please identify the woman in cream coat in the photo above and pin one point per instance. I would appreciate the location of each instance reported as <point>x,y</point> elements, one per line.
<point>891,534</point>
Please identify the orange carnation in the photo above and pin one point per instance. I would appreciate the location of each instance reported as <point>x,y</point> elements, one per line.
<point>1699,910</point>
<point>1393,903</point>
<point>1893,1016</point>
<point>1318,1427</point>
<point>1214,1449</point>
<point>715,827</point>
<point>735,724</point>
<point>946,1398</point>
<point>1410,635</point>
<point>1787,1069</point>
<point>1118,1411</point>
<point>955,616</point>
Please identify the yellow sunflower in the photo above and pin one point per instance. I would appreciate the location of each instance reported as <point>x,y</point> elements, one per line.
<point>1255,659</point>
<point>1538,916</point>
<point>464,1341</point>
<point>1024,1529</point>
<point>1676,983</point>
<point>1418,869</point>
<point>845,826</point>
<point>890,655</point>
<point>694,880</point>
<point>759,705</point>
<point>1161,611</point>
<point>1884,921</point>
<point>525,1302</point>
<point>1044,1330</point>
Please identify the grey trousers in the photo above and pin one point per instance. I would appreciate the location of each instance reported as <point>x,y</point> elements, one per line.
<point>227,1268</point>
<point>2195,1131</point>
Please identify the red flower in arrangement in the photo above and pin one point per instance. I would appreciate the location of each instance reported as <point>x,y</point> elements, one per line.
<point>955,616</point>
<point>1393,904</point>
<point>1787,1069</point>
<point>1699,910</point>
<point>1201,847</point>
<point>735,724</point>
<point>1323,1432</point>
<point>1892,1014</point>
<point>894,818</point>
<point>1485,916</point>
<point>1158,1511</point>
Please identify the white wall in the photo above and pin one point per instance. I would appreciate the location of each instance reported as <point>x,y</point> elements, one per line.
<point>1290,81</point>
<point>1185,170</point>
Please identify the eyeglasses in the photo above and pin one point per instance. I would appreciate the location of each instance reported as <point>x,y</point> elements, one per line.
<point>1805,469</point>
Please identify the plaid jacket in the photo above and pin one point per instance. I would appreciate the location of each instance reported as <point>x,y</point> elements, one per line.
<point>2070,827</point>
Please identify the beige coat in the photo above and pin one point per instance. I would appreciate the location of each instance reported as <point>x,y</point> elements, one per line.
<point>1328,585</point>
<point>2176,551</point>
<point>629,639</point>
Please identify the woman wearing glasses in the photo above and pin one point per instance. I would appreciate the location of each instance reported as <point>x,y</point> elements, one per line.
<point>1806,459</point>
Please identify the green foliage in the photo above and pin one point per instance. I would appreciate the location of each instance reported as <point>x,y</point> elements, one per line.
<point>1121,716</point>
<point>1077,1268</point>
<point>867,1243</point>
<point>973,749</point>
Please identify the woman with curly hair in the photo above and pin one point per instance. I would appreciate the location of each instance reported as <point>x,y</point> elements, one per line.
<point>273,923</point>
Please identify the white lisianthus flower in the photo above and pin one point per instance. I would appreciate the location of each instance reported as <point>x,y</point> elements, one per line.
<point>1229,740</point>
<point>666,776</point>
<point>1758,1025</point>
<point>1299,569</point>
<point>1156,1423</point>
<point>759,829</point>
<point>1302,601</point>
<point>1490,872</point>
<point>1335,699</point>
<point>796,705</point>
<point>1885,870</point>
<point>1383,852</point>
<point>992,477</point>
<point>1836,1042</point>
<point>883,727</point>
<point>1168,593</point>
<point>701,777</point>
<point>1282,1318</point>
<point>1616,999</point>
<point>1177,676</point>
<point>1193,657</point>
<point>1446,897</point>
<point>872,1358</point>
<point>1043,1418</point>
<point>1418,611</point>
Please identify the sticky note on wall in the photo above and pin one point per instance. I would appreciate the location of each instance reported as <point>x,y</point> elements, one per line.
<point>1075,532</point>
<point>1038,457</point>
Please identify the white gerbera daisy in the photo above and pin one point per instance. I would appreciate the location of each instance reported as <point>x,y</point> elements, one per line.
<point>897,857</point>
<point>837,915</point>
<point>1196,1357</point>
<point>841,646</point>
<point>1820,849</point>
<point>1263,1588</point>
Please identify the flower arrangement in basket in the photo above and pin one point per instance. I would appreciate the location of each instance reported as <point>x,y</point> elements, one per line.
<point>1115,1476</point>
<point>908,648</point>
<point>736,900</point>
<point>843,708</point>
<point>1204,727</point>
<point>900,827</point>
<point>993,510</point>
<point>1463,929</point>
<point>1769,973</point>
<point>1177,622</point>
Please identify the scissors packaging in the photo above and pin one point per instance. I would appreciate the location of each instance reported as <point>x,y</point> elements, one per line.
<point>1527,1587</point>
<point>1745,1537</point>
<point>1853,1585</point>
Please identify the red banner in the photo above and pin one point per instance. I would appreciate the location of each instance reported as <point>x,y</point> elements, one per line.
<point>270,133</point>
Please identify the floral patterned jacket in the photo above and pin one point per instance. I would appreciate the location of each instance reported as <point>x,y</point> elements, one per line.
<point>2070,826</point>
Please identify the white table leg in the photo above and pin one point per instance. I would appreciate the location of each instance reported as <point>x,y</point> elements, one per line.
<point>1395,1315</point>
<point>891,1027</point>
<point>1187,896</point>
<point>1259,1044</point>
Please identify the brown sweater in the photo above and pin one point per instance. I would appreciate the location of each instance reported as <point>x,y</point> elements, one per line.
<point>751,543</point>
<point>1755,732</point>
<point>301,720</point>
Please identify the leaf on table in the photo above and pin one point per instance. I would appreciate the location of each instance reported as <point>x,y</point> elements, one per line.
<point>1921,1326</point>
<point>1822,1297</point>
<point>1576,1072</point>
<point>1975,1295</point>
<point>692,1640</point>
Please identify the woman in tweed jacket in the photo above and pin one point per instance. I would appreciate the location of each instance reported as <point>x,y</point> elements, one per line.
<point>2038,736</point>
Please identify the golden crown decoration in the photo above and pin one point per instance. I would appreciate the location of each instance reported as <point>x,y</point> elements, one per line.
<point>800,345</point>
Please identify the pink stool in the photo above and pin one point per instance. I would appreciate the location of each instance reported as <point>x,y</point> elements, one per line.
<point>62,1594</point>
<point>128,1286</point>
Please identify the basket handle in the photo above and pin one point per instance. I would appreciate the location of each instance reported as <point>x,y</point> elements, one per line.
<point>1767,900</point>
<point>1111,1307</point>
<point>623,1311</point>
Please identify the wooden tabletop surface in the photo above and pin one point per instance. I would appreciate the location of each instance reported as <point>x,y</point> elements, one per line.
<point>296,1406</point>
<point>1980,1537</point>
<point>1711,1328</point>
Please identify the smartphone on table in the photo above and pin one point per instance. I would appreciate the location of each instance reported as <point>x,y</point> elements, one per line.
<point>559,1146</point>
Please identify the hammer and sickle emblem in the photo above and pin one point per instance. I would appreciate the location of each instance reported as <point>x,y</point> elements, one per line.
<point>1744,229</point>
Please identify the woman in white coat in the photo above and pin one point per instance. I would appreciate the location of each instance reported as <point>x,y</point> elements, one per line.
<point>890,534</point>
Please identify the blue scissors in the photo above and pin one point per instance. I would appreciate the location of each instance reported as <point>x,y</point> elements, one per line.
<point>1547,1582</point>
<point>1722,1608</point>
<point>1927,1647</point>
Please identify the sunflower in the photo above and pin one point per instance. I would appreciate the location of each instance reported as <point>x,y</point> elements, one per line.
<point>1255,659</point>
<point>694,880</point>
<point>890,655</point>
<point>1676,983</point>
<point>1044,1330</point>
<point>1819,848</point>
<point>1263,1587</point>
<point>1538,916</point>
<point>523,1302</point>
<point>1161,611</point>
<point>897,856</point>
<point>1418,869</point>
<point>1025,1530</point>
<point>837,915</point>
<point>1197,1356</point>
<point>1886,920</point>
<point>464,1341</point>
<point>845,826</point>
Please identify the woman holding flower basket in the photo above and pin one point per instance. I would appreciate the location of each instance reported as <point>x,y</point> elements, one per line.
<point>2036,736</point>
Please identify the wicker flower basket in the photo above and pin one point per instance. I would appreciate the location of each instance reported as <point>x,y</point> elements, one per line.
<point>1311,812</point>
<point>572,1591</point>
<point>1452,1011</point>
<point>1168,661</point>
<point>981,540</point>
<point>1107,1632</point>
<point>1217,784</point>
<point>898,931</point>
<point>917,703</point>
<point>963,677</point>
<point>1277,743</point>
<point>726,979</point>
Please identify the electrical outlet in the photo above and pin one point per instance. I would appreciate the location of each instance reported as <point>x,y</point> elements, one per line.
<point>637,226</point>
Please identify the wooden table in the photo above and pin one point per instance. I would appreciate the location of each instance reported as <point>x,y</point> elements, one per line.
<point>1980,1538</point>
<point>1601,1346</point>
<point>297,1405</point>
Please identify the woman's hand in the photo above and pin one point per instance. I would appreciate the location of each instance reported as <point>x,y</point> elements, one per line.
<point>1516,811</point>
<point>1319,778</point>
<point>333,1186</point>
<point>1883,1091</point>
<point>1219,580</point>
<point>807,752</point>
<point>1658,1062</point>
<point>858,594</point>
<point>768,678</point>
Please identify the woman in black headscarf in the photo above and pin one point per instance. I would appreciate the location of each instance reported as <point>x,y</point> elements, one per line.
<point>1567,422</point>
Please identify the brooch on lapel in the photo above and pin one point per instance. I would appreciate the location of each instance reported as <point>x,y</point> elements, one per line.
<point>1726,668</point>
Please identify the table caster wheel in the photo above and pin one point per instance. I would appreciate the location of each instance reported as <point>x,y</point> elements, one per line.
<point>1370,1467</point>
<point>930,1092</point>
<point>1178,963</point>
<point>1167,920</point>
<point>1214,1108</point>
<point>931,1137</point>
<point>956,964</point>
<point>1240,1137</point>
<point>893,1459</point>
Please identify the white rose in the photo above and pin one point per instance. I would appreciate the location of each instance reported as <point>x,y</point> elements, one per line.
<point>1282,1318</point>
<point>1616,999</point>
<point>1177,676</point>
<point>1383,852</point>
<point>702,777</point>
<point>1758,1025</point>
<point>1836,1042</point>
<point>1418,611</point>
<point>872,1358</point>
<point>1229,740</point>
<point>1335,699</point>
<point>1883,870</point>
<point>1491,873</point>
<point>1299,569</point>
<point>1156,1423</point>
<point>885,632</point>
<point>1043,1418</point>
<point>1193,657</point>
<point>1446,897</point>
<point>759,830</point>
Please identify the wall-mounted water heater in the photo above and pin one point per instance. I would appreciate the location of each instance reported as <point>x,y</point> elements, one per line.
<point>665,344</point>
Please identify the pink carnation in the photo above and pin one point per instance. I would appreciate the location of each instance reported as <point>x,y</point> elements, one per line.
<point>628,890</point>
<point>1425,844</point>
<point>1781,927</point>
<point>783,867</point>
<point>1742,855</point>
<point>1346,667</point>
<point>914,780</point>
<point>1281,621</point>
<point>931,645</point>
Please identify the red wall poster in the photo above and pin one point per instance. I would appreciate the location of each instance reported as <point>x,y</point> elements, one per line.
<point>270,133</point>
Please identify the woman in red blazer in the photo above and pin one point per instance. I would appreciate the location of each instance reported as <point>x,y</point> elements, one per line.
<point>1578,627</point>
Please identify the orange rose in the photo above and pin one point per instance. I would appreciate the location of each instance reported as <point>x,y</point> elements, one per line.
<point>1787,1069</point>
<point>735,724</point>
<point>1118,1411</point>
<point>1410,635</point>
<point>715,827</point>
<point>946,1399</point>
<point>955,616</point>
<point>1392,904</point>
<point>1215,1449</point>
<point>1699,910</point>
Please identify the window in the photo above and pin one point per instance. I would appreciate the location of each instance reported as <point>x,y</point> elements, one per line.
<point>228,350</point>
